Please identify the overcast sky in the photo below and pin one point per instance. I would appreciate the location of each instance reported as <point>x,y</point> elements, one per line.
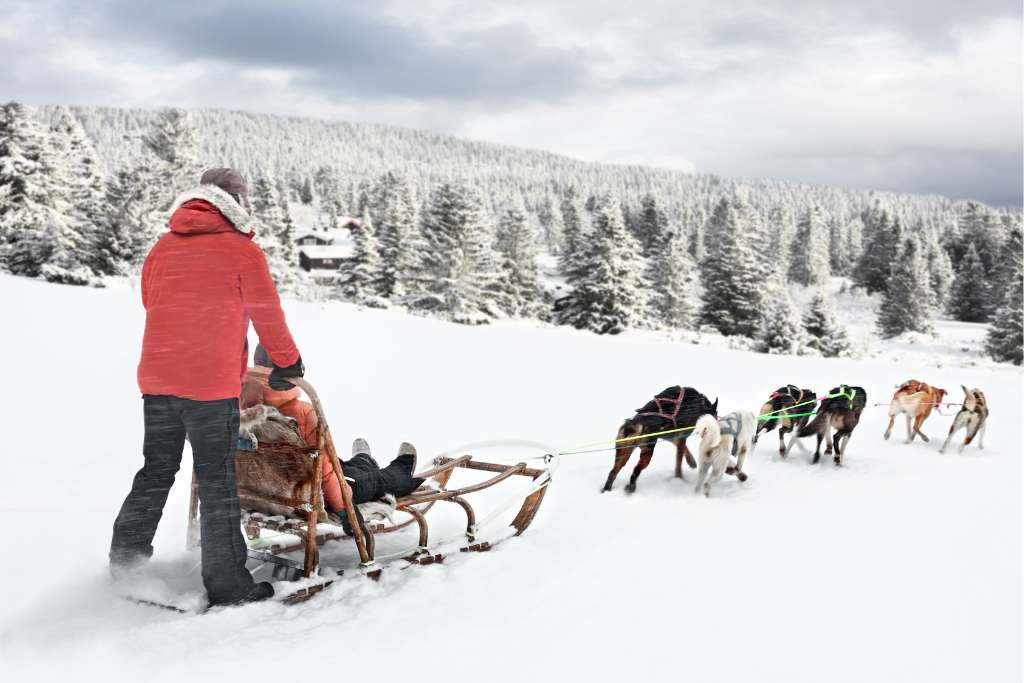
<point>915,96</point>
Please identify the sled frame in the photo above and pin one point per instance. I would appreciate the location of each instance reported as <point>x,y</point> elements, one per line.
<point>309,511</point>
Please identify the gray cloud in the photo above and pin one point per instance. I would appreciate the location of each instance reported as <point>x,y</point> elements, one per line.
<point>342,50</point>
<point>726,86</point>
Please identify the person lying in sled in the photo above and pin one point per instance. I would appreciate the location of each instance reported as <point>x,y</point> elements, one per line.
<point>365,479</point>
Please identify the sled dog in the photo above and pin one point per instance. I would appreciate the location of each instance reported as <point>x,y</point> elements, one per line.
<point>779,411</point>
<point>720,441</point>
<point>676,408</point>
<point>972,416</point>
<point>915,400</point>
<point>839,410</point>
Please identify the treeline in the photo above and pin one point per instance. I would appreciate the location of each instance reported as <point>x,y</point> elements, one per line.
<point>696,252</point>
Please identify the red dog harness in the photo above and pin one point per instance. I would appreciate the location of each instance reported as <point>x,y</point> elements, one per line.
<point>675,404</point>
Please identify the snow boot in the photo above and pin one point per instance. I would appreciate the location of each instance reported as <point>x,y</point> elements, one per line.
<point>261,591</point>
<point>399,473</point>
<point>361,447</point>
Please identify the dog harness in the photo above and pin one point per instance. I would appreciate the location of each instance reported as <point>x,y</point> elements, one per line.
<point>786,391</point>
<point>730,426</point>
<point>844,392</point>
<point>671,413</point>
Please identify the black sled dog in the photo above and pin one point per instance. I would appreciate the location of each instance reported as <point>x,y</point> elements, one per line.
<point>780,409</point>
<point>840,410</point>
<point>674,408</point>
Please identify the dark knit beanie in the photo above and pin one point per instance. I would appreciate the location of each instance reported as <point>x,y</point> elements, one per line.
<point>229,180</point>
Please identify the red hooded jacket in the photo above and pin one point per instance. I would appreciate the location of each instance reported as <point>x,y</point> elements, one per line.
<point>201,285</point>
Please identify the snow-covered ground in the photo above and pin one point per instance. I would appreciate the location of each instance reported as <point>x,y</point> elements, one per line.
<point>904,565</point>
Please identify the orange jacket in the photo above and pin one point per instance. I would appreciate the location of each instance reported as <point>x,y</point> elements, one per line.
<point>256,390</point>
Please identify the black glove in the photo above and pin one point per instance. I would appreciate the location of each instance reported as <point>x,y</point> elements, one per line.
<point>278,376</point>
<point>347,527</point>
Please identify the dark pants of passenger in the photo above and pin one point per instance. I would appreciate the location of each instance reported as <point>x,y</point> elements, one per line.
<point>370,482</point>
<point>212,430</point>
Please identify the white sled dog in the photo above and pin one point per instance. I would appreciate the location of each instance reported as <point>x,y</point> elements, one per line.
<point>720,441</point>
<point>972,417</point>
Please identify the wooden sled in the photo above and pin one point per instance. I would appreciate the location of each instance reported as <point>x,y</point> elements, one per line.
<point>279,487</point>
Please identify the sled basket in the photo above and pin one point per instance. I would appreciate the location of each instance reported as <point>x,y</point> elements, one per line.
<point>279,488</point>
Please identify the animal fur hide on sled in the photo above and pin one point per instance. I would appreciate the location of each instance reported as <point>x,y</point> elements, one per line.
<point>379,510</point>
<point>268,425</point>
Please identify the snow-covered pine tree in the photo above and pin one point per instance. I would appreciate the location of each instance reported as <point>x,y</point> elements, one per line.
<point>981,227</point>
<point>519,262</point>
<point>651,226</point>
<point>607,294</point>
<point>940,274</point>
<point>731,274</point>
<point>122,239</point>
<point>85,186</point>
<point>360,275</point>
<point>883,239</point>
<point>696,238</point>
<point>672,279</point>
<point>907,303</point>
<point>780,230</point>
<point>781,331</point>
<point>37,235</point>
<point>854,244</point>
<point>549,215</point>
<point>276,232</point>
<point>306,191</point>
<point>397,233</point>
<point>574,235</point>
<point>172,142</point>
<point>809,257</point>
<point>969,297</point>
<point>824,332</point>
<point>1005,269</point>
<point>1005,339</point>
<point>461,276</point>
<point>838,256</point>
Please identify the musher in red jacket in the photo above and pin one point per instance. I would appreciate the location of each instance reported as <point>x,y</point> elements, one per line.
<point>202,283</point>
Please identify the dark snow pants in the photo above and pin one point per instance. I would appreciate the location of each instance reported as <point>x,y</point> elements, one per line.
<point>370,482</point>
<point>212,429</point>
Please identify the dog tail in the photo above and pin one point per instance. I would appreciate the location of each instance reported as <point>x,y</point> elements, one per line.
<point>815,425</point>
<point>630,427</point>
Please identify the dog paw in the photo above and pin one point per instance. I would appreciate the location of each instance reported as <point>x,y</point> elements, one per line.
<point>742,476</point>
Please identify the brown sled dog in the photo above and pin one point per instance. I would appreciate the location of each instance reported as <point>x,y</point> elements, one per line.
<point>972,417</point>
<point>675,408</point>
<point>915,400</point>
<point>840,410</point>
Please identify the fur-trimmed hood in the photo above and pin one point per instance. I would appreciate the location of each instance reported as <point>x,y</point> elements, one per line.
<point>198,221</point>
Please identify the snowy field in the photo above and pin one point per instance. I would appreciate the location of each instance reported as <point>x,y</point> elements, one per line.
<point>904,565</point>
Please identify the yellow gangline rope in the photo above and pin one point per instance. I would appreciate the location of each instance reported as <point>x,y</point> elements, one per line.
<point>569,451</point>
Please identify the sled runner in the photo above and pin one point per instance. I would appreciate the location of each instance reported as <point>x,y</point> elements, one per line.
<point>279,486</point>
